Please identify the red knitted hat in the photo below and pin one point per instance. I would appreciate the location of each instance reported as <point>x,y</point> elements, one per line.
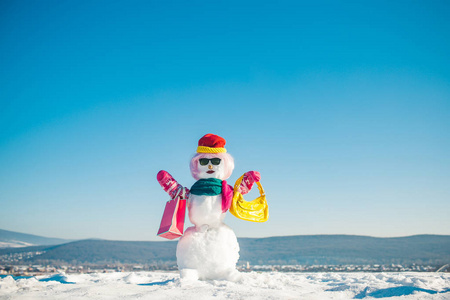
<point>211,143</point>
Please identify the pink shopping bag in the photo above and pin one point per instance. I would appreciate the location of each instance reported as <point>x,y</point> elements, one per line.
<point>172,223</point>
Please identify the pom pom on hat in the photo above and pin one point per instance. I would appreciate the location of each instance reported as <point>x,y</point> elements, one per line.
<point>211,143</point>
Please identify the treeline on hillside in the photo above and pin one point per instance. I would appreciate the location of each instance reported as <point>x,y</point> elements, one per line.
<point>302,250</point>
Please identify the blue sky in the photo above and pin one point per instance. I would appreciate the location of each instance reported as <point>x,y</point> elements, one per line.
<point>344,108</point>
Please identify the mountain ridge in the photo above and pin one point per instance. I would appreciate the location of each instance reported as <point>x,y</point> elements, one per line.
<point>12,239</point>
<point>298,249</point>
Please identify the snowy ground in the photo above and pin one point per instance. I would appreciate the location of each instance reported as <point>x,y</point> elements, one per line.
<point>166,285</point>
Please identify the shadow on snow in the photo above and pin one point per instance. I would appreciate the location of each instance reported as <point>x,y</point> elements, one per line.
<point>58,277</point>
<point>395,292</point>
<point>157,283</point>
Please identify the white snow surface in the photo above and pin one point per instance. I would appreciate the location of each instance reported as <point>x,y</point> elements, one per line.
<point>14,244</point>
<point>253,285</point>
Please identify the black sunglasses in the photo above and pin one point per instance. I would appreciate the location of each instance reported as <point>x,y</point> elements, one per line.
<point>204,161</point>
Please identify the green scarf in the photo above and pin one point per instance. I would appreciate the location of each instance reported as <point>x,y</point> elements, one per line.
<point>208,187</point>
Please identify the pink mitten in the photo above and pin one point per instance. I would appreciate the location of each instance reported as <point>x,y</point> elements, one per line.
<point>171,186</point>
<point>247,182</point>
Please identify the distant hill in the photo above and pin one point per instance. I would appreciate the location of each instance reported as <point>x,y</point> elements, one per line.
<point>308,250</point>
<point>11,239</point>
<point>347,249</point>
<point>103,252</point>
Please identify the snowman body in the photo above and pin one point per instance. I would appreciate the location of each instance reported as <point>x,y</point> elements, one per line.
<point>205,210</point>
<point>209,249</point>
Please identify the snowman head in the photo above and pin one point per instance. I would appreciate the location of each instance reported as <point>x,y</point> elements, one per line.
<point>211,160</point>
<point>206,165</point>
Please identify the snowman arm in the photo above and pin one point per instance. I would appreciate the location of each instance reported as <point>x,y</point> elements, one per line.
<point>171,186</point>
<point>247,182</point>
<point>182,192</point>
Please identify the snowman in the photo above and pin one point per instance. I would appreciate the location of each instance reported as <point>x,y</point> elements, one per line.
<point>209,249</point>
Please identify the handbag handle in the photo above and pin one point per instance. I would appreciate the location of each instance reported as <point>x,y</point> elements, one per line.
<point>238,183</point>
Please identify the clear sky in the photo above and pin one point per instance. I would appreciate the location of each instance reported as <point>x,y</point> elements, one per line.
<point>343,106</point>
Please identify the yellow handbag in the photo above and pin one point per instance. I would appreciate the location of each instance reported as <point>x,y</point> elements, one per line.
<point>255,211</point>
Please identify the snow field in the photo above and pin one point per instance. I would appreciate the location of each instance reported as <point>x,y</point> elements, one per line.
<point>168,285</point>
